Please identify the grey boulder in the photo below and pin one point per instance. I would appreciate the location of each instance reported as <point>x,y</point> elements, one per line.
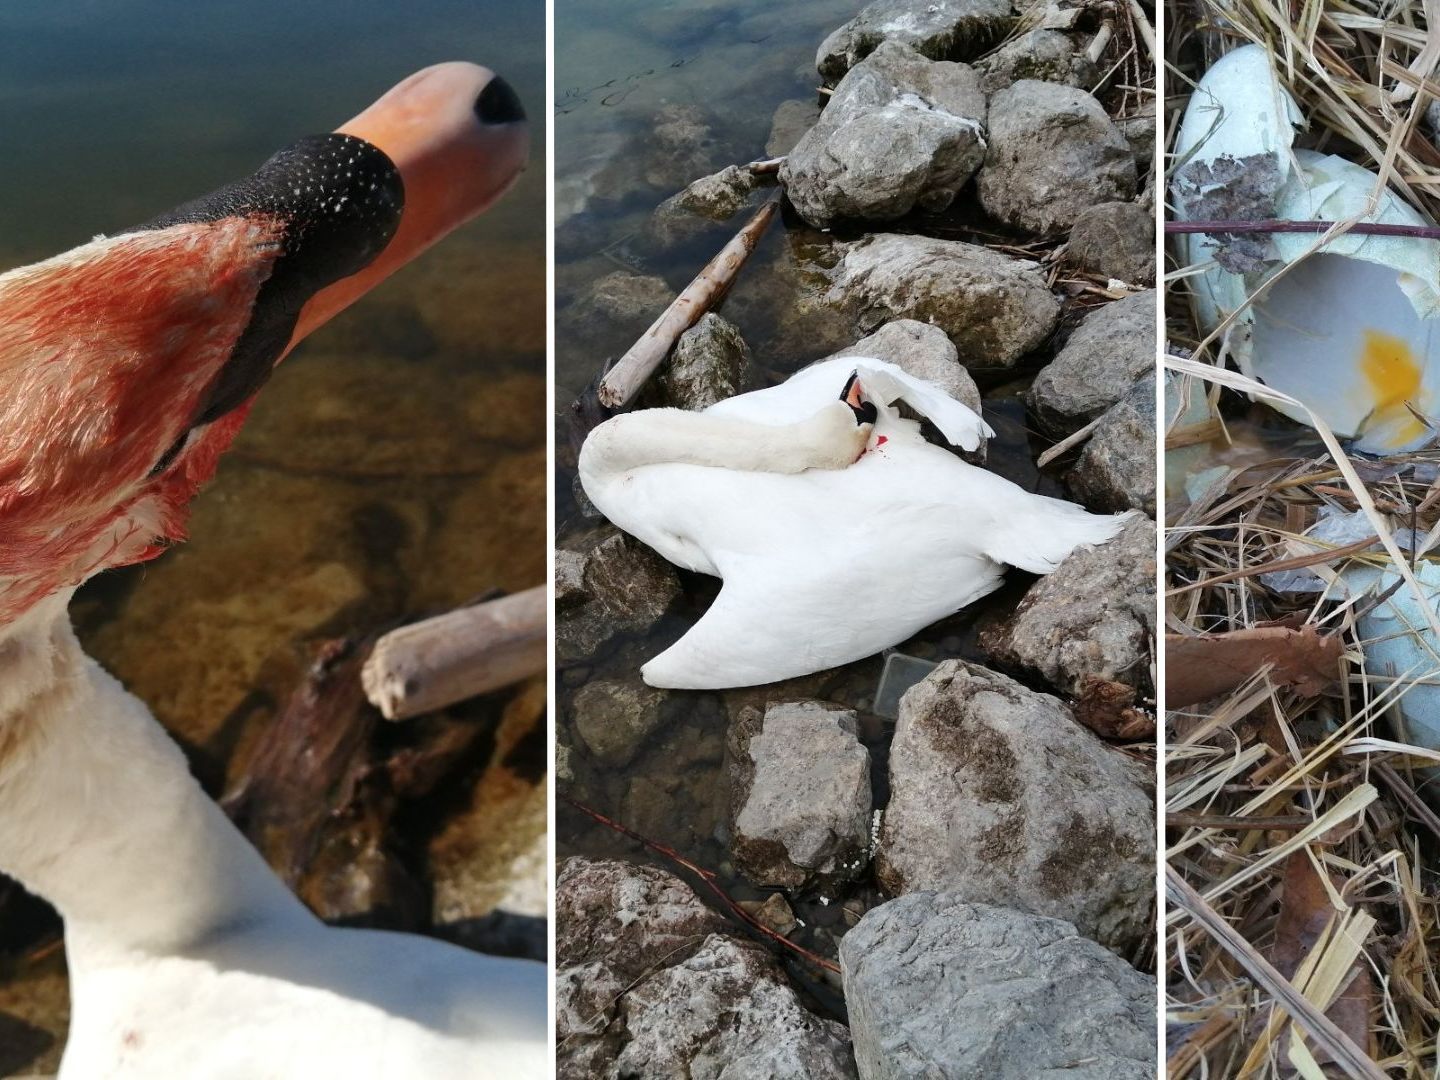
<point>999,796</point>
<point>799,795</point>
<point>707,365</point>
<point>900,132</point>
<point>1092,618</point>
<point>1116,470</point>
<point>939,29</point>
<point>649,983</point>
<point>1053,153</point>
<point>993,308</point>
<point>1116,239</point>
<point>1112,347</point>
<point>940,988</point>
<point>1044,55</point>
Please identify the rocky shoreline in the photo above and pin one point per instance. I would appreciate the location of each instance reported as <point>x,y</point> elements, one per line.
<point>980,871</point>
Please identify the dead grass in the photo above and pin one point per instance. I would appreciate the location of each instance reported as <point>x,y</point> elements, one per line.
<point>1295,826</point>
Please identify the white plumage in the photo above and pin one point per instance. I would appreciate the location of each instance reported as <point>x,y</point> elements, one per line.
<point>829,563</point>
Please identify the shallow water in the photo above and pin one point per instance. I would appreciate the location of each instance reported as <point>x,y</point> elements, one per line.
<point>396,462</point>
<point>730,66</point>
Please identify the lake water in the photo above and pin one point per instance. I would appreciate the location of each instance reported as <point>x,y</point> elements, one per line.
<point>396,462</point>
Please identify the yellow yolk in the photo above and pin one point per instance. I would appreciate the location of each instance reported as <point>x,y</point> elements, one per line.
<point>1393,376</point>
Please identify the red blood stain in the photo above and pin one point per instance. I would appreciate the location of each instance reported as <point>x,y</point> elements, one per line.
<point>881,440</point>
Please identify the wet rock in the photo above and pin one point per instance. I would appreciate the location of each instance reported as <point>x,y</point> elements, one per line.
<point>799,794</point>
<point>1093,617</point>
<point>614,718</point>
<point>939,29</point>
<point>713,198</point>
<point>1098,365</point>
<point>624,589</point>
<point>938,987</point>
<point>648,983</point>
<point>1116,470</point>
<point>679,146</point>
<point>1043,55</point>
<point>999,797</point>
<point>707,364</point>
<point>1117,240</point>
<point>488,861</point>
<point>993,308</point>
<point>1053,153</point>
<point>772,912</point>
<point>791,121</point>
<point>900,131</point>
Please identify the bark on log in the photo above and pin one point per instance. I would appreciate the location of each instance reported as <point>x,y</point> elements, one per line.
<point>473,650</point>
<point>625,379</point>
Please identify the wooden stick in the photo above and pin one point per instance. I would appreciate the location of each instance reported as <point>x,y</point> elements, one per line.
<point>1321,1029</point>
<point>472,650</point>
<point>1075,438</point>
<point>1360,228</point>
<point>623,381</point>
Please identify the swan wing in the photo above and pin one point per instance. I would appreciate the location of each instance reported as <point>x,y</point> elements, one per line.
<point>889,383</point>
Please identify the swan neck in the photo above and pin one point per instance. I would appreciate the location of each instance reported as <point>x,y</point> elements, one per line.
<point>676,436</point>
<point>99,813</point>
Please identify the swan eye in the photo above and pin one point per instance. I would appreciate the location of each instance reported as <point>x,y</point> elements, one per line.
<point>168,458</point>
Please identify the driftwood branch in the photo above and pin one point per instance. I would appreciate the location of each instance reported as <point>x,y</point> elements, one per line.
<point>625,379</point>
<point>434,663</point>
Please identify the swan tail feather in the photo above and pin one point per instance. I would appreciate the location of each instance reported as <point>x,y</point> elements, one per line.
<point>1039,536</point>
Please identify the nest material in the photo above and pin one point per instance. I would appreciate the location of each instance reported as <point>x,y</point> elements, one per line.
<point>1288,817</point>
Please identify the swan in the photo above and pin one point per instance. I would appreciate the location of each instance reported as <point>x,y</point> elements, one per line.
<point>126,366</point>
<point>837,528</point>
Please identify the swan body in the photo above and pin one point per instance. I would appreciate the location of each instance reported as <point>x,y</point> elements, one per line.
<point>827,565</point>
<point>126,368</point>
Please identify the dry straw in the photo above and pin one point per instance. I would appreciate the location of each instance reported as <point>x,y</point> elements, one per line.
<point>1304,887</point>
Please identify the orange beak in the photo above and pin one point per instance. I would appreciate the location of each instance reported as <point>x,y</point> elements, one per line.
<point>457,135</point>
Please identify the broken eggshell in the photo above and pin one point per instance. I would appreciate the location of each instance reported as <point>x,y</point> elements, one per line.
<point>1348,331</point>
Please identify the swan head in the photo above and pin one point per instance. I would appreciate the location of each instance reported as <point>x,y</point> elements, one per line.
<point>854,396</point>
<point>128,365</point>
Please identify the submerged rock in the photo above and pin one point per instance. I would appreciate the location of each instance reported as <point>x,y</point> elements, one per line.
<point>1093,617</point>
<point>1000,797</point>
<point>788,126</point>
<point>938,988</point>
<point>1109,350</point>
<point>615,718</point>
<point>993,308</point>
<point>939,29</point>
<point>615,309</point>
<point>648,983</point>
<point>618,587</point>
<point>1116,239</point>
<point>707,364</point>
<point>900,131</point>
<point>1043,55</point>
<point>717,197</point>
<point>1116,470</point>
<point>1053,153</point>
<point>799,794</point>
